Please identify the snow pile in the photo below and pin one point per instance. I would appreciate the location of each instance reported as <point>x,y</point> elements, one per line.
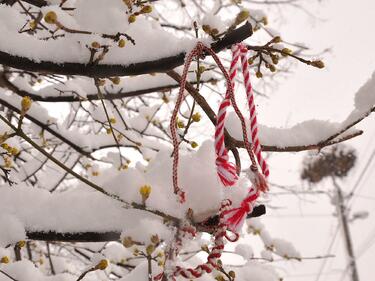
<point>254,271</point>
<point>91,211</point>
<point>11,229</point>
<point>25,270</point>
<point>152,41</point>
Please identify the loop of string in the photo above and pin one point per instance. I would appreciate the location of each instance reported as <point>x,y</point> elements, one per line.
<point>197,51</point>
<point>235,217</point>
<point>225,169</point>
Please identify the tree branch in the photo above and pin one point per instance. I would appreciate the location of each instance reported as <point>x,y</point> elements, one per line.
<point>109,70</point>
<point>4,82</point>
<point>233,143</point>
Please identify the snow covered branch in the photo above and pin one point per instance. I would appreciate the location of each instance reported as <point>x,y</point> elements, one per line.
<point>107,70</point>
<point>57,93</point>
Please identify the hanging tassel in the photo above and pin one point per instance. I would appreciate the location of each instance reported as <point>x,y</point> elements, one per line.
<point>258,180</point>
<point>234,218</point>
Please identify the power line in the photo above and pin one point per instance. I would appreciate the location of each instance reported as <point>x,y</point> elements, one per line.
<point>360,177</point>
<point>328,252</point>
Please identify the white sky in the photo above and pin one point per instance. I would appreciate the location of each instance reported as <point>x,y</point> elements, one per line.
<point>347,28</point>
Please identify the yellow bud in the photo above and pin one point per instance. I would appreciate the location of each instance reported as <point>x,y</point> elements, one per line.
<point>276,39</point>
<point>286,52</point>
<point>272,68</point>
<point>3,138</point>
<point>180,124</point>
<point>26,104</point>
<point>214,31</point>
<point>7,162</point>
<point>206,28</point>
<point>318,64</point>
<point>103,264</point>
<point>275,59</point>
<point>259,74</point>
<point>232,274</point>
<point>205,248</point>
<point>196,117</point>
<point>160,255</point>
<point>250,61</point>
<point>121,43</point>
<point>33,24</point>
<point>21,243</point>
<point>150,249</point>
<point>146,9</point>
<point>4,259</point>
<point>242,16</point>
<point>265,20</point>
<point>256,232</point>
<point>109,131</point>
<point>95,45</point>
<point>95,173</point>
<point>155,239</point>
<point>112,120</point>
<point>132,18</point>
<point>220,277</point>
<point>5,146</point>
<point>193,144</point>
<point>136,252</point>
<point>127,242</point>
<point>101,82</point>
<point>145,191</point>
<point>116,80</point>
<point>14,151</point>
<point>165,99</point>
<point>50,17</point>
<point>201,69</point>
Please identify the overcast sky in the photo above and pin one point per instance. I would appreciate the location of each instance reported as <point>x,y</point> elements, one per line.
<point>347,28</point>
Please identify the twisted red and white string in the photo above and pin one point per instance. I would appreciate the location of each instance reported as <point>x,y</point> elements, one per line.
<point>225,169</point>
<point>235,217</point>
<point>230,218</point>
<point>196,52</point>
<point>253,114</point>
<point>216,251</point>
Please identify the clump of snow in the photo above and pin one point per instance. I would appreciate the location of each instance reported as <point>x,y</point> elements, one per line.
<point>305,133</point>
<point>112,14</point>
<point>267,255</point>
<point>11,230</point>
<point>285,249</point>
<point>244,250</point>
<point>145,228</point>
<point>365,97</point>
<point>214,21</point>
<point>25,270</point>
<point>255,271</point>
<point>197,176</point>
<point>140,273</point>
<point>152,41</point>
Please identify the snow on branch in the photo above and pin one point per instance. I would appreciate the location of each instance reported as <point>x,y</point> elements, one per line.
<point>21,60</point>
<point>83,89</point>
